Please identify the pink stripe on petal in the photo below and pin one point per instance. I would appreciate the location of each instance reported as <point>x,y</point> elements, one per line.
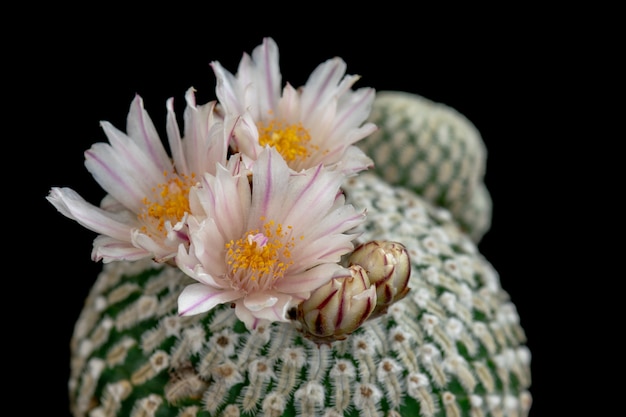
<point>319,82</point>
<point>363,99</point>
<point>141,129</point>
<point>174,139</point>
<point>108,250</point>
<point>112,174</point>
<point>268,65</point>
<point>72,205</point>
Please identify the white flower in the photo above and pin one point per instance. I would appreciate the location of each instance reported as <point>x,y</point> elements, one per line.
<point>143,212</point>
<point>316,123</point>
<point>265,244</point>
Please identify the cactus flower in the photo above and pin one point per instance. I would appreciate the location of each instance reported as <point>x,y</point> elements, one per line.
<point>144,210</point>
<point>337,308</point>
<point>317,123</point>
<point>264,246</point>
<point>388,268</point>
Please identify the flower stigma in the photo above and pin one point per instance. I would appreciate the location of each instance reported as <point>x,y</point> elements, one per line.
<point>291,141</point>
<point>170,202</point>
<point>259,258</point>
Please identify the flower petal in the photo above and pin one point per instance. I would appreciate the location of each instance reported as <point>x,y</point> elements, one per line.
<point>140,128</point>
<point>122,168</point>
<point>257,301</point>
<point>277,311</point>
<point>270,179</point>
<point>321,87</point>
<point>107,250</point>
<point>157,248</point>
<point>72,205</point>
<point>207,246</point>
<point>267,78</point>
<point>200,298</point>
<point>311,279</point>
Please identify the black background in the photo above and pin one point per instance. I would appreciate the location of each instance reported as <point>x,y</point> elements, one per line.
<point>81,71</point>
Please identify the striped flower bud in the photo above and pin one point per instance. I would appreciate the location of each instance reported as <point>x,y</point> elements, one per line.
<point>388,268</point>
<point>337,308</point>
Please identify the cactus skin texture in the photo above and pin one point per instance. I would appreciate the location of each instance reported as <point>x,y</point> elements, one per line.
<point>433,150</point>
<point>453,346</point>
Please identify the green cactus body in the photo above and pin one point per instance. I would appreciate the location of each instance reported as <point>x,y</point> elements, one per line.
<point>433,150</point>
<point>452,347</point>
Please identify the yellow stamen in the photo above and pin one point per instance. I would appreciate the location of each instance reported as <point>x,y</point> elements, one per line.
<point>261,256</point>
<point>169,202</point>
<point>291,141</point>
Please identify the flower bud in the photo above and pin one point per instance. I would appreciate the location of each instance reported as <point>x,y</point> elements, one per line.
<point>388,268</point>
<point>337,308</point>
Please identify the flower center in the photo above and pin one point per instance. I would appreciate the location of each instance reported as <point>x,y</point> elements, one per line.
<point>291,141</point>
<point>260,257</point>
<point>169,202</point>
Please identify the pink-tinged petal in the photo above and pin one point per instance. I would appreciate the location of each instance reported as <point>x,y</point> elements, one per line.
<point>212,274</point>
<point>128,156</point>
<point>327,249</point>
<point>319,122</point>
<point>270,179</point>
<point>244,78</point>
<point>247,317</point>
<point>245,138</point>
<point>341,220</point>
<point>236,166</point>
<point>109,203</point>
<point>346,83</point>
<point>314,188</point>
<point>202,198</point>
<point>203,277</point>
<point>321,86</point>
<point>311,278</point>
<point>156,247</point>
<point>257,301</point>
<point>228,90</point>
<point>196,132</point>
<point>101,162</point>
<point>199,298</point>
<point>229,210</point>
<point>140,128</point>
<point>122,169</point>
<point>175,141</point>
<point>225,200</point>
<point>107,249</point>
<point>353,162</point>
<point>267,79</point>
<point>205,142</point>
<point>289,104</point>
<point>356,134</point>
<point>331,239</point>
<point>274,311</point>
<point>72,205</point>
<point>186,260</point>
<point>354,109</point>
<point>207,245</point>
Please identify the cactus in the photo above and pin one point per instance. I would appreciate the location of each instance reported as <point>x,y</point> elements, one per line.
<point>453,346</point>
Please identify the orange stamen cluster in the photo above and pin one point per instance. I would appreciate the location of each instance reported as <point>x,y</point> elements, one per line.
<point>170,202</point>
<point>262,256</point>
<point>291,141</point>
